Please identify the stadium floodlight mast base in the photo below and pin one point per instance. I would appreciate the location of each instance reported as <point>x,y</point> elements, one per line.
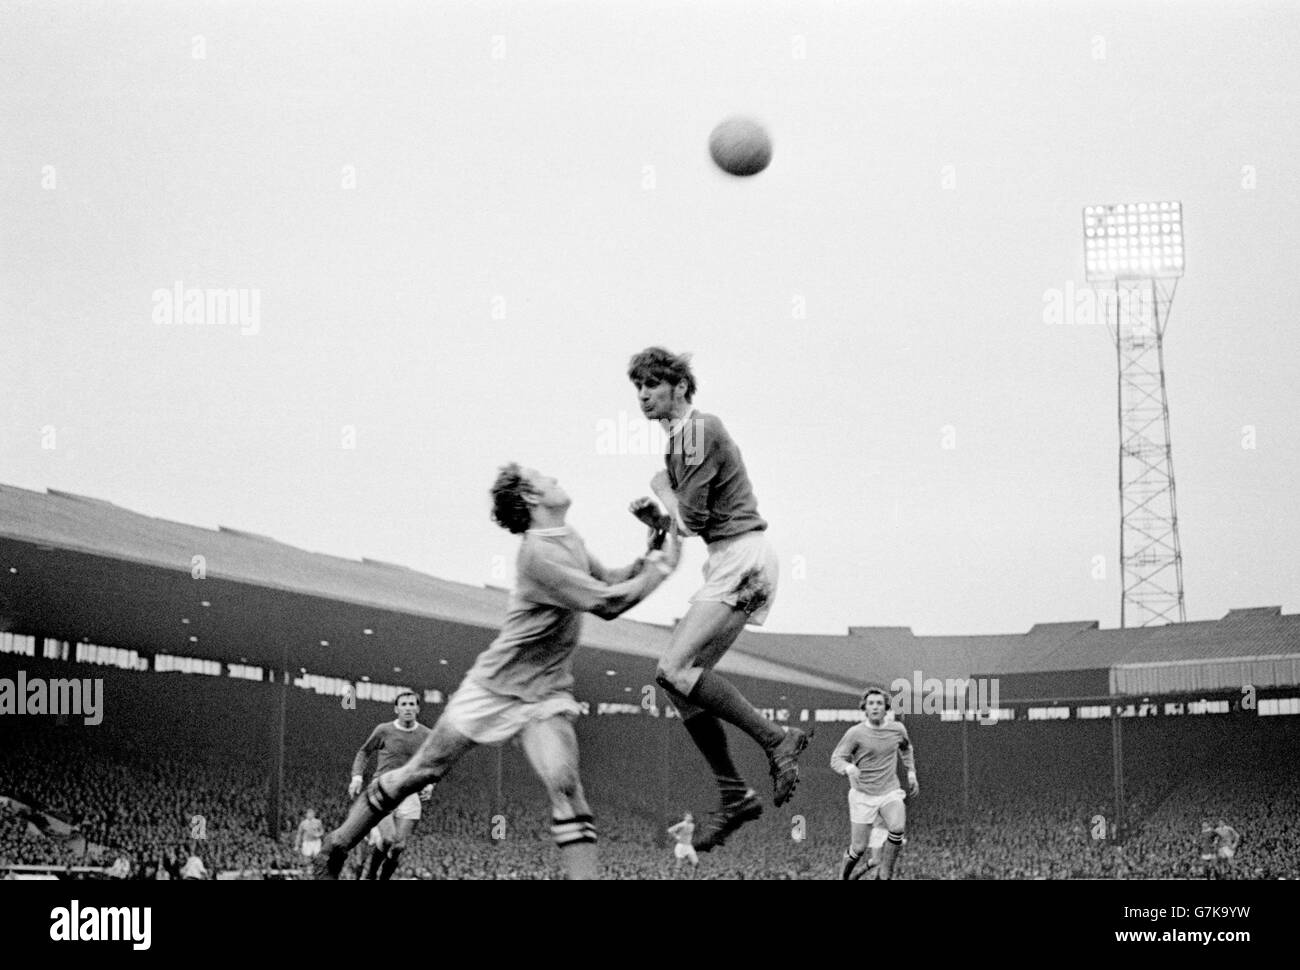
<point>1138,249</point>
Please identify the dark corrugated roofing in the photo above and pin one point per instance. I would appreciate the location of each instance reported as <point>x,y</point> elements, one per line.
<point>94,526</point>
<point>97,527</point>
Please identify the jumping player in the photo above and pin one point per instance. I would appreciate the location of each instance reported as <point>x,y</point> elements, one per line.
<point>307,839</point>
<point>684,832</point>
<point>706,492</point>
<point>520,685</point>
<point>392,744</point>
<point>868,754</point>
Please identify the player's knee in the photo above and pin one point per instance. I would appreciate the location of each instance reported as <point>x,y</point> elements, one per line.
<point>380,794</point>
<point>395,847</point>
<point>674,678</point>
<point>421,778</point>
<point>562,782</point>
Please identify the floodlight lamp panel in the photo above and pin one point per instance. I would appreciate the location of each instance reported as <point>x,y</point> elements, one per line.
<point>1133,241</point>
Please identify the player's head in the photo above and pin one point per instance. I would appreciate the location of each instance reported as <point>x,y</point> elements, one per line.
<point>688,817</point>
<point>875,702</point>
<point>663,380</point>
<point>521,494</point>
<point>1206,825</point>
<point>407,706</point>
<point>311,813</point>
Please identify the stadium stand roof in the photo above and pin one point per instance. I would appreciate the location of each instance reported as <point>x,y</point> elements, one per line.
<point>1257,646</point>
<point>119,577</point>
<point>93,545</point>
<point>886,653</point>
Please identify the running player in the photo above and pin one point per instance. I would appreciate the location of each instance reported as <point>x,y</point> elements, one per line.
<point>875,842</point>
<point>706,492</point>
<point>1218,846</point>
<point>391,745</point>
<point>307,839</point>
<point>868,754</point>
<point>1228,841</point>
<point>1209,848</point>
<point>520,685</point>
<point>684,832</point>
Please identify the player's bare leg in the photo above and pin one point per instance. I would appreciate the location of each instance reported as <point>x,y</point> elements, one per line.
<point>552,749</point>
<point>441,749</point>
<point>739,802</point>
<point>895,817</point>
<point>859,839</point>
<point>700,639</point>
<point>706,730</point>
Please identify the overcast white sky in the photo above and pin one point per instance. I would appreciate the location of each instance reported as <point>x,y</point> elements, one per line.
<point>462,219</point>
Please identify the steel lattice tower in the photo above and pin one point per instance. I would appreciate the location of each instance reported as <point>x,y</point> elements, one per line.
<point>1139,249</point>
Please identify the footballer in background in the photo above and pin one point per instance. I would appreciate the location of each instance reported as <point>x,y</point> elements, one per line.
<point>868,755</point>
<point>391,745</point>
<point>1218,847</point>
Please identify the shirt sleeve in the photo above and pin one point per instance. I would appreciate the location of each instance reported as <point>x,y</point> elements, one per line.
<point>692,489</point>
<point>842,756</point>
<point>905,749</point>
<point>364,752</point>
<point>560,583</point>
<point>612,577</point>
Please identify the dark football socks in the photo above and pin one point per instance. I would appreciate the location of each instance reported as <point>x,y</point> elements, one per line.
<point>720,697</point>
<point>889,854</point>
<point>850,860</point>
<point>711,738</point>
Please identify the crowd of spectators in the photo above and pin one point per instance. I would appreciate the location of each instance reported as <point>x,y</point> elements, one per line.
<point>158,802</point>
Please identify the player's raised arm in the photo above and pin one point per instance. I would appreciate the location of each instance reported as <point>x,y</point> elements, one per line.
<point>664,490</point>
<point>612,577</point>
<point>647,511</point>
<point>574,589</point>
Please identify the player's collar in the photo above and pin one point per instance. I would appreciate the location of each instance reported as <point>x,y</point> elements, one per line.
<point>559,530</point>
<point>398,724</point>
<point>672,427</point>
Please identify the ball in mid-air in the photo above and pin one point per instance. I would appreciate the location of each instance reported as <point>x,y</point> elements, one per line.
<point>740,146</point>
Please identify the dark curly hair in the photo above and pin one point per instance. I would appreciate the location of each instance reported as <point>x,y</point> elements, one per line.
<point>658,364</point>
<point>509,510</point>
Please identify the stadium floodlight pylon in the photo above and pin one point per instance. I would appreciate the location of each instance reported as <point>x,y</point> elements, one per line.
<point>1137,248</point>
